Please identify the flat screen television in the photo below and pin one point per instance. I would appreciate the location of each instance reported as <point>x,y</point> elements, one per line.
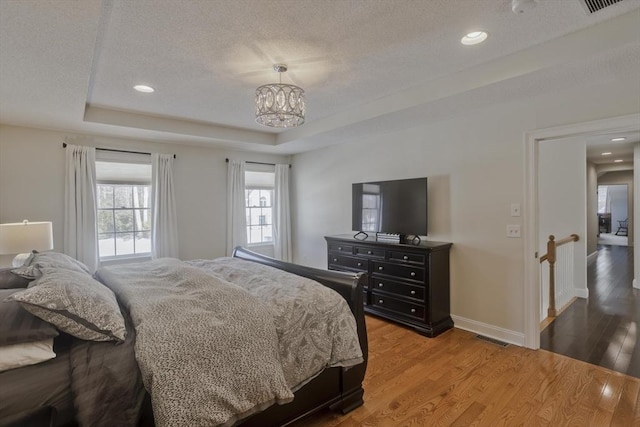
<point>390,207</point>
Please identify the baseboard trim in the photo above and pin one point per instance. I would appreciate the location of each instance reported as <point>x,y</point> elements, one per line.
<point>581,293</point>
<point>512,337</point>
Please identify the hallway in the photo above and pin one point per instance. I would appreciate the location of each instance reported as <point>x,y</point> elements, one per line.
<point>603,330</point>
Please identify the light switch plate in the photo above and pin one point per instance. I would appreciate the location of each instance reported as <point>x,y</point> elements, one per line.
<point>515,209</point>
<point>513,231</point>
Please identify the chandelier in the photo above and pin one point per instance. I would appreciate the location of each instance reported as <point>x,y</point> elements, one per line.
<point>280,105</point>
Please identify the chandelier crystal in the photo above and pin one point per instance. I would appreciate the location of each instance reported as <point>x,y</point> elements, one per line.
<point>280,105</point>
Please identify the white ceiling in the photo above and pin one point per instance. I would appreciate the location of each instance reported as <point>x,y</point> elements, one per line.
<point>366,65</point>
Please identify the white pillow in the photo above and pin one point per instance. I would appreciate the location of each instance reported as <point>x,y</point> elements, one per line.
<point>25,354</point>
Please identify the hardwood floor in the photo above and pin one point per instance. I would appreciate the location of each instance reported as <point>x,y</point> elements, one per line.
<point>459,380</point>
<point>603,330</point>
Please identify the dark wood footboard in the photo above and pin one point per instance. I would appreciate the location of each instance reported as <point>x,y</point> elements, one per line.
<point>337,388</point>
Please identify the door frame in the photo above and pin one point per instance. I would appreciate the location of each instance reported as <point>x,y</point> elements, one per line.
<point>531,262</point>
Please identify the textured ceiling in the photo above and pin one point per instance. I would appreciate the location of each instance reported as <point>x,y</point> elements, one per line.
<point>71,65</point>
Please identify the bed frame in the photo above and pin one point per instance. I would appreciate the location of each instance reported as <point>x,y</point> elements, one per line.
<point>339,389</point>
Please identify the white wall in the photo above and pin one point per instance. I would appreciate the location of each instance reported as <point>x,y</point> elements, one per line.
<point>32,184</point>
<point>562,205</point>
<point>474,162</point>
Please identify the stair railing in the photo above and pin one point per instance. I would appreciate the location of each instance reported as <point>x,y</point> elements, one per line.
<point>550,256</point>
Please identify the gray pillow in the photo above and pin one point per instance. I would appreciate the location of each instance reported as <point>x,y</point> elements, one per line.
<point>75,303</point>
<point>18,326</point>
<point>9,280</point>
<point>38,263</point>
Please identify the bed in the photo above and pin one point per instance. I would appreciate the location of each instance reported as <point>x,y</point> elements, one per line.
<point>88,379</point>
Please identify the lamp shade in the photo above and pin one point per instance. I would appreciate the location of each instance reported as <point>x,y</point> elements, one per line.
<point>20,237</point>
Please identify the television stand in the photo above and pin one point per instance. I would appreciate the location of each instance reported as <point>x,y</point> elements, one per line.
<point>407,283</point>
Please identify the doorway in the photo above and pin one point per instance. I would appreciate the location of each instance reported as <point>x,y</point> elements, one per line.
<point>532,294</point>
<point>613,214</point>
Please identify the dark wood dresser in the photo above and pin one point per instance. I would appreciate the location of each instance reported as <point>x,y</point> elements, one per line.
<point>408,283</point>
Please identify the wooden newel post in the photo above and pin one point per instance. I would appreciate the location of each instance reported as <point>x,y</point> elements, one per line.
<point>551,257</point>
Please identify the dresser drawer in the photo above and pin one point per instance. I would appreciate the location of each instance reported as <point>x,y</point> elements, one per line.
<point>340,248</point>
<point>358,264</point>
<point>386,303</point>
<point>402,271</point>
<point>369,252</point>
<point>406,257</point>
<point>396,288</point>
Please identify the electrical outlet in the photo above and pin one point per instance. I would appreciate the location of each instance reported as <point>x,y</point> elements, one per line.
<point>513,231</point>
<point>515,209</point>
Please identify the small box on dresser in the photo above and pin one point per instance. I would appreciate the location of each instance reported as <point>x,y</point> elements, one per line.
<point>408,283</point>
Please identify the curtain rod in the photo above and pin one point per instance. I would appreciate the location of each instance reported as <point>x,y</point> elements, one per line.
<point>256,163</point>
<point>64,145</point>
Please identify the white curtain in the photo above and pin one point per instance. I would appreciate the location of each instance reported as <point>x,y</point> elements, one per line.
<point>282,215</point>
<point>236,206</point>
<point>164,224</point>
<point>80,212</point>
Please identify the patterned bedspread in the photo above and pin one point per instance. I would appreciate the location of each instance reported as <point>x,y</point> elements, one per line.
<point>212,352</point>
<point>315,326</point>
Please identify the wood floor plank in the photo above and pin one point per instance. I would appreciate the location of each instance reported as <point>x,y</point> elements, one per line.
<point>605,409</point>
<point>587,406</point>
<point>566,408</point>
<point>458,380</point>
<point>623,415</point>
<point>502,390</point>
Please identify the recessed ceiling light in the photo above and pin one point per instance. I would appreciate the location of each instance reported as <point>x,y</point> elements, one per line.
<point>144,88</point>
<point>607,153</point>
<point>618,139</point>
<point>474,38</point>
<point>618,161</point>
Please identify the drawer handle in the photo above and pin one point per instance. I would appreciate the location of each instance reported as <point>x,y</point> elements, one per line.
<point>381,285</point>
<point>380,301</point>
<point>369,252</point>
<point>335,260</point>
<point>413,274</point>
<point>339,248</point>
<point>380,268</point>
<point>413,310</point>
<point>359,264</point>
<point>405,257</point>
<point>413,292</point>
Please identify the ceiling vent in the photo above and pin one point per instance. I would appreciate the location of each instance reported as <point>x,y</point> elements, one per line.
<point>592,6</point>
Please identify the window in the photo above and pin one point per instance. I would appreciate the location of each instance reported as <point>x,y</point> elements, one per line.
<point>259,203</point>
<point>124,220</point>
<point>124,207</point>
<point>602,199</point>
<point>259,219</point>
